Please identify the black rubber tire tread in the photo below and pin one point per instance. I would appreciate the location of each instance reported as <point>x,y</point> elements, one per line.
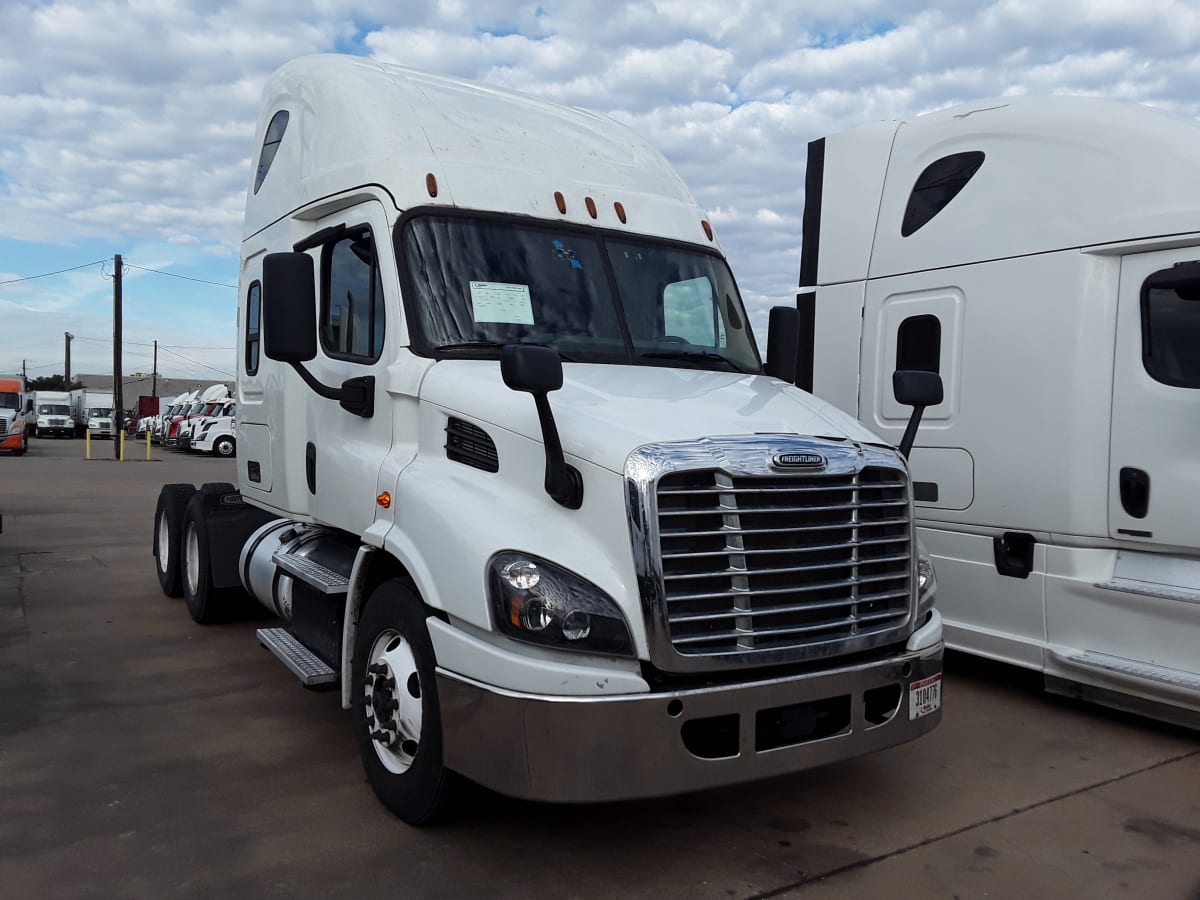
<point>225,439</point>
<point>424,794</point>
<point>207,605</point>
<point>172,501</point>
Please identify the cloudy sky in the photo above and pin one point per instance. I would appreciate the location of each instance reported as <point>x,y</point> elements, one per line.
<point>126,127</point>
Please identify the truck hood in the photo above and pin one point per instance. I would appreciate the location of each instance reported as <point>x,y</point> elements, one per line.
<point>605,411</point>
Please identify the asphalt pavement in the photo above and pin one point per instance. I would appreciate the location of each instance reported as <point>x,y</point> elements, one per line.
<point>142,755</point>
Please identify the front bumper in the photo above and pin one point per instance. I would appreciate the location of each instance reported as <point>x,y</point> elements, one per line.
<point>56,430</point>
<point>13,440</point>
<point>588,749</point>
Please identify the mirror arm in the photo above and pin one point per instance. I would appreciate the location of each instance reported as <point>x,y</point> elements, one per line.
<point>910,432</point>
<point>563,482</point>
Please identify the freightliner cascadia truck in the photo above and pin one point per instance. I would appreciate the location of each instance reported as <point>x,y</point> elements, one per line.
<point>513,477</point>
<point>1043,255</point>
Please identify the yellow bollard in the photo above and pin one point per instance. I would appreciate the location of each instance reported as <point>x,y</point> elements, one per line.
<point>147,445</point>
<point>88,444</point>
<point>122,445</point>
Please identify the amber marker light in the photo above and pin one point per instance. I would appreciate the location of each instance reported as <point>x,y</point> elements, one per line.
<point>431,185</point>
<point>707,229</point>
<point>384,500</point>
<point>619,208</point>
<point>591,206</point>
<point>560,201</point>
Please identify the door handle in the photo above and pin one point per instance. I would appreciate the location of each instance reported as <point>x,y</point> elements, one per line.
<point>1135,491</point>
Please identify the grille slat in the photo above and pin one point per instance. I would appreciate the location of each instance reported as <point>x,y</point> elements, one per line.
<point>779,561</point>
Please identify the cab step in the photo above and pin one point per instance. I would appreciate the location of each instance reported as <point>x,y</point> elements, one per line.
<point>311,573</point>
<point>1131,672</point>
<point>304,664</point>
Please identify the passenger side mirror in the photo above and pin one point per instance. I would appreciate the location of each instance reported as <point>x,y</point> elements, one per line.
<point>538,370</point>
<point>918,390</point>
<point>289,307</point>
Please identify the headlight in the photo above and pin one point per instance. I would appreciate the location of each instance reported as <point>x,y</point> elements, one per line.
<point>43,423</point>
<point>926,580</point>
<point>537,601</point>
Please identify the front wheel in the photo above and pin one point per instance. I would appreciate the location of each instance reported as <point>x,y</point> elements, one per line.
<point>397,719</point>
<point>224,446</point>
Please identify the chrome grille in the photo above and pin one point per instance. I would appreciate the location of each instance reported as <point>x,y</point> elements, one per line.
<point>774,562</point>
<point>3,426</point>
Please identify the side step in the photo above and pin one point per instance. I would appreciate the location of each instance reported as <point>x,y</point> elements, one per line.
<point>305,665</point>
<point>311,573</point>
<point>1174,683</point>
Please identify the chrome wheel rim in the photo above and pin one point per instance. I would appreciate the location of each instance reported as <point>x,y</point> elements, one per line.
<point>164,543</point>
<point>392,701</point>
<point>191,558</point>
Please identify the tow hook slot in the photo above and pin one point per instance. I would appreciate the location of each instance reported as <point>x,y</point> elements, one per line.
<point>1014,553</point>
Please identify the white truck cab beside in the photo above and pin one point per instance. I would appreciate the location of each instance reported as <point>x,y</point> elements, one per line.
<point>1042,255</point>
<point>513,477</point>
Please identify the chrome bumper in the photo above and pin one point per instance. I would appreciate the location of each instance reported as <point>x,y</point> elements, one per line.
<point>585,749</point>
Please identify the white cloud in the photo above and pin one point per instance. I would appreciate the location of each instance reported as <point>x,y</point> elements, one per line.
<point>131,122</point>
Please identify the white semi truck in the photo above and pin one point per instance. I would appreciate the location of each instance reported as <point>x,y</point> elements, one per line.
<point>215,434</point>
<point>511,473</point>
<point>1042,255</point>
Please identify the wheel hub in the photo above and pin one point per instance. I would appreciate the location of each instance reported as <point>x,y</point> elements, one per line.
<point>392,697</point>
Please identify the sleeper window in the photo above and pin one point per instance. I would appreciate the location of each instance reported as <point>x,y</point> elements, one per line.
<point>352,317</point>
<point>936,186</point>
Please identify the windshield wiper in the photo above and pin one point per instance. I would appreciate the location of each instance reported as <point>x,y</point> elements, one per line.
<point>698,355</point>
<point>491,345</point>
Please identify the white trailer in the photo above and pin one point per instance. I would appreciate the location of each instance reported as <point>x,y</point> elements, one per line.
<point>679,572</point>
<point>1042,255</point>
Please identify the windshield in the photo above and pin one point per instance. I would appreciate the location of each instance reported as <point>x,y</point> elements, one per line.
<point>9,400</point>
<point>53,409</point>
<point>480,283</point>
<point>100,412</point>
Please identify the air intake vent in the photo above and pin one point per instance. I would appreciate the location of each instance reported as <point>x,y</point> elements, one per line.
<point>471,445</point>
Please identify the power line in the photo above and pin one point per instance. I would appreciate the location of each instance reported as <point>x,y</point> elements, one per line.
<point>130,265</point>
<point>59,272</point>
<point>196,363</point>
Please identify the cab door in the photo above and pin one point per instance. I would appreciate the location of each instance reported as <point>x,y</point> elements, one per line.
<point>356,329</point>
<point>1154,461</point>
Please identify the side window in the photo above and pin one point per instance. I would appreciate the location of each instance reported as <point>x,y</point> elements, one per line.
<point>690,312</point>
<point>1171,326</point>
<point>271,142</point>
<point>253,310</point>
<point>936,186</point>
<point>351,324</point>
<point>919,344</point>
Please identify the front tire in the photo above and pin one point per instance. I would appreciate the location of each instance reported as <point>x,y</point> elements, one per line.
<point>224,447</point>
<point>397,719</point>
<point>168,527</point>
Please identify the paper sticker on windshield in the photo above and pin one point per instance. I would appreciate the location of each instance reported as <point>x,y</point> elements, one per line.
<point>494,301</point>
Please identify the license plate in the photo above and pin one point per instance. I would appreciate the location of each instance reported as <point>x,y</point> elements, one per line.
<point>925,696</point>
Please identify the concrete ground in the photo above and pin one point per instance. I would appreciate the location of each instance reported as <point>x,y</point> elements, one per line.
<point>142,755</point>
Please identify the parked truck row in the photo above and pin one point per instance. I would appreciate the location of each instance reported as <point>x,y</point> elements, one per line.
<point>200,421</point>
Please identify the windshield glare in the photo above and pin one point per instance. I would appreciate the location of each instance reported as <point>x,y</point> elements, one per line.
<point>484,281</point>
<point>51,409</point>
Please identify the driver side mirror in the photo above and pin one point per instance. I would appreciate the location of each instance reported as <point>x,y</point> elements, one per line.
<point>289,307</point>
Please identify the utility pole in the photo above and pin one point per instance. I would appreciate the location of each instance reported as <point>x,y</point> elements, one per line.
<point>67,365</point>
<point>154,372</point>
<point>118,400</point>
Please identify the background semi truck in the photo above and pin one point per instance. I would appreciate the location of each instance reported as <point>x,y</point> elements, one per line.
<point>12,420</point>
<point>513,478</point>
<point>1042,255</point>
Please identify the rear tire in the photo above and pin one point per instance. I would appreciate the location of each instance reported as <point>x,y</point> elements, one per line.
<point>168,528</point>
<point>400,745</point>
<point>206,604</point>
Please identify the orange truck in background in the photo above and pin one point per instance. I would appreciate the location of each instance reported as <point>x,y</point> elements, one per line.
<point>12,422</point>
